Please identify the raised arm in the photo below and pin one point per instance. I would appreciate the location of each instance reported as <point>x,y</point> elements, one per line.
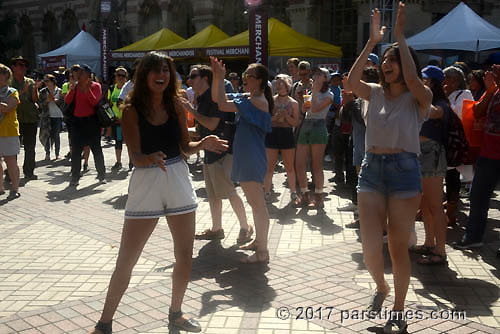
<point>218,91</point>
<point>422,93</point>
<point>481,108</point>
<point>358,86</point>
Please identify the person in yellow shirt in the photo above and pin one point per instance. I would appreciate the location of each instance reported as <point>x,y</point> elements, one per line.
<point>121,76</point>
<point>9,131</point>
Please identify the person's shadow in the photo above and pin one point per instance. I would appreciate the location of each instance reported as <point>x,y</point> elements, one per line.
<point>242,285</point>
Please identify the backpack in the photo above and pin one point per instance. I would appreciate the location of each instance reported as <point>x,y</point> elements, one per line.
<point>456,144</point>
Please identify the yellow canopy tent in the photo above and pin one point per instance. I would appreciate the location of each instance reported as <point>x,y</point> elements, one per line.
<point>283,41</point>
<point>191,46</point>
<point>160,39</point>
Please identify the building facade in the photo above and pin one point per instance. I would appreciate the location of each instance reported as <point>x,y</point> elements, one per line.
<point>46,25</point>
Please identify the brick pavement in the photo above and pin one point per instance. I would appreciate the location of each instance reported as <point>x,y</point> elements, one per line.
<point>59,247</point>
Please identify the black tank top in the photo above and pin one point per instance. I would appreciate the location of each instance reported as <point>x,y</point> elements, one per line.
<point>165,137</point>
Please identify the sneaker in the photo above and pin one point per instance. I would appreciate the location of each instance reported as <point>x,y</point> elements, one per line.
<point>267,197</point>
<point>328,158</point>
<point>467,244</point>
<point>245,235</point>
<point>210,235</point>
<point>130,166</point>
<point>101,178</point>
<point>117,166</point>
<point>349,207</point>
<point>395,326</point>
<point>73,183</point>
<point>85,168</point>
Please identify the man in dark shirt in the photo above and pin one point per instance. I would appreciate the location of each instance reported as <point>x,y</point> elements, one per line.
<point>216,167</point>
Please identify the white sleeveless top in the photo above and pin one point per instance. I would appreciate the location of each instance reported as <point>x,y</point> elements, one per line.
<point>393,123</point>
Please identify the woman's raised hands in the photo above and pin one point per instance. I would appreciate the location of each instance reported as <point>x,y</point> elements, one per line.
<point>399,29</point>
<point>376,31</point>
<point>218,68</point>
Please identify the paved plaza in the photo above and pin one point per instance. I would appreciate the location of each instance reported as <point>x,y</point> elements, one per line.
<point>59,246</point>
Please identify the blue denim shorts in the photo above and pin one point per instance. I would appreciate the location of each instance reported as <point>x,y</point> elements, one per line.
<point>391,174</point>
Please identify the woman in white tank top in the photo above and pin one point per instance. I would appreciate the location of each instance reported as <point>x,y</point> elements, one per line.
<point>390,181</point>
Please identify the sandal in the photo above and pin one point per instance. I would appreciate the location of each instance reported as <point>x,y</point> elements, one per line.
<point>375,304</point>
<point>430,259</point>
<point>245,235</point>
<point>251,246</point>
<point>257,257</point>
<point>103,327</point>
<point>421,249</point>
<point>189,325</point>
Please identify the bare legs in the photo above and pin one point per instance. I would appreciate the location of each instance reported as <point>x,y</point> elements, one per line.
<point>374,209</point>
<point>288,160</point>
<point>13,170</point>
<point>435,221</point>
<point>135,234</point>
<point>236,204</point>
<point>254,193</point>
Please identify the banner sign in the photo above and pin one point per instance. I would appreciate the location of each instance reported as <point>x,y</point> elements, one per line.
<point>104,53</point>
<point>242,51</point>
<point>50,64</point>
<point>258,35</point>
<point>127,55</point>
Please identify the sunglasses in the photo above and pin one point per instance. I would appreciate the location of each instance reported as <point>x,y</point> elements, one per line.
<point>194,76</point>
<point>121,75</point>
<point>246,76</point>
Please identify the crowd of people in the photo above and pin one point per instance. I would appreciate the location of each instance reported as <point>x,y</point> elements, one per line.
<point>389,126</point>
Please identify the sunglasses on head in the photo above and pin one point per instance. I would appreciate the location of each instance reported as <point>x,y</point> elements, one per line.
<point>246,76</point>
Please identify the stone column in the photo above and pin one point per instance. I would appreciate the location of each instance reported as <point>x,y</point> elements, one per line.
<point>305,16</point>
<point>206,12</point>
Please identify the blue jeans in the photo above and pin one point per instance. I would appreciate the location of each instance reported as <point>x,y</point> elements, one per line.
<point>395,175</point>
<point>55,130</point>
<point>485,180</point>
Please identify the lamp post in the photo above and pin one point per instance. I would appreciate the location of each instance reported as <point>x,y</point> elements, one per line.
<point>105,11</point>
<point>257,31</point>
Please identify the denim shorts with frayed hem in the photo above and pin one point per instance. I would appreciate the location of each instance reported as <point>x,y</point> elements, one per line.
<point>395,174</point>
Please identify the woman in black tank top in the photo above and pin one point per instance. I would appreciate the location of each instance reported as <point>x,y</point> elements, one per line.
<point>155,131</point>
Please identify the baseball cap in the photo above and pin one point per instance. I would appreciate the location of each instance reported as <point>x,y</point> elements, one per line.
<point>374,58</point>
<point>433,72</point>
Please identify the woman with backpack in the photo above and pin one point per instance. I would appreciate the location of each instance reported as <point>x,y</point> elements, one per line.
<point>390,182</point>
<point>433,164</point>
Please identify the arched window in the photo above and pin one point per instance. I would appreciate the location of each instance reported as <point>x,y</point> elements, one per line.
<point>69,26</point>
<point>150,18</point>
<point>50,33</point>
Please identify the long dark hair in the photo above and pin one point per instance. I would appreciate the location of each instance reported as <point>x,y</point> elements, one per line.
<point>262,73</point>
<point>438,93</point>
<point>140,96</point>
<point>395,47</point>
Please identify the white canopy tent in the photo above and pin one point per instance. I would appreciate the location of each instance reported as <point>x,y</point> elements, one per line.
<point>82,49</point>
<point>461,29</point>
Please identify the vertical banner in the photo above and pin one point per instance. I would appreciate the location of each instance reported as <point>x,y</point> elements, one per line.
<point>104,53</point>
<point>258,34</point>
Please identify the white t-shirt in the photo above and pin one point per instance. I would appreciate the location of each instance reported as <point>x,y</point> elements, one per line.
<point>125,90</point>
<point>54,110</point>
<point>457,100</point>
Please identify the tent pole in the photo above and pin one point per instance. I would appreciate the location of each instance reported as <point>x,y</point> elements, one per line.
<point>476,55</point>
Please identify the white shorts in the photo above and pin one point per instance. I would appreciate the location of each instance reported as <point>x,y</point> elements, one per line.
<point>154,193</point>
